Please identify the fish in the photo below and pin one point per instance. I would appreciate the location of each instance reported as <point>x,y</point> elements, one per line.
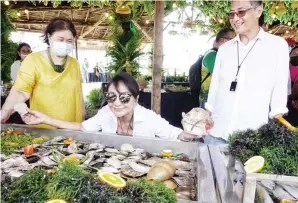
<point>280,193</point>
<point>290,189</point>
<point>263,194</point>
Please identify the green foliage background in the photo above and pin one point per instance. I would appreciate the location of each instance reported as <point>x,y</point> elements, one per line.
<point>8,48</point>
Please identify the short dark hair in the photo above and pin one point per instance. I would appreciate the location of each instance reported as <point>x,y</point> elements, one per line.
<point>19,49</point>
<point>256,3</point>
<point>261,20</point>
<point>222,33</point>
<point>57,24</point>
<point>128,81</point>
<point>295,47</point>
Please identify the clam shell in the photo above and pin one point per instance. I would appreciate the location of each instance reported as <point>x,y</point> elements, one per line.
<point>170,184</point>
<point>161,171</point>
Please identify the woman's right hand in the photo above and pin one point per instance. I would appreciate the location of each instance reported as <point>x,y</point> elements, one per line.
<point>4,115</point>
<point>34,117</point>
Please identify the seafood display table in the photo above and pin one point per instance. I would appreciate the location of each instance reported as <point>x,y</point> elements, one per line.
<point>199,153</point>
<point>236,186</point>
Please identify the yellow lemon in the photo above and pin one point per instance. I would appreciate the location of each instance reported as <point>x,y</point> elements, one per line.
<point>72,158</point>
<point>37,140</point>
<point>167,153</point>
<point>111,179</point>
<point>254,164</point>
<point>286,201</point>
<point>56,201</point>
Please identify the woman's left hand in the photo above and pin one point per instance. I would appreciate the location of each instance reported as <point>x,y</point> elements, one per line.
<point>187,136</point>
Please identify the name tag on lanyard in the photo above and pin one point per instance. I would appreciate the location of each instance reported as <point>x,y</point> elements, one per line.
<point>233,86</point>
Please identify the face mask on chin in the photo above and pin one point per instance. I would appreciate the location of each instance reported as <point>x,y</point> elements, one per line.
<point>62,48</point>
<point>23,56</point>
<point>294,60</point>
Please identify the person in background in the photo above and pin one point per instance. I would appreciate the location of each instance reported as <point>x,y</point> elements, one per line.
<point>23,50</point>
<point>84,71</point>
<point>96,73</point>
<point>101,70</point>
<point>90,71</point>
<point>292,116</point>
<point>294,65</point>
<point>207,61</point>
<point>50,79</point>
<point>250,79</point>
<point>223,36</point>
<point>123,115</point>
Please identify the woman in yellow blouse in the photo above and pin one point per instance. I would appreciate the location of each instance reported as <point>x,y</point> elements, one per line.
<point>50,79</point>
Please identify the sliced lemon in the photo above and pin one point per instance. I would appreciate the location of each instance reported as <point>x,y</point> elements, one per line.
<point>167,153</point>
<point>56,201</point>
<point>37,140</point>
<point>72,158</point>
<point>254,164</point>
<point>286,201</point>
<point>111,179</point>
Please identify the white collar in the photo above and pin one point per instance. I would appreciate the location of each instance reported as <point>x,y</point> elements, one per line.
<point>260,36</point>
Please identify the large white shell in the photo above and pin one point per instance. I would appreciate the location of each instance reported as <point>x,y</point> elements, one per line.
<point>194,122</point>
<point>21,108</point>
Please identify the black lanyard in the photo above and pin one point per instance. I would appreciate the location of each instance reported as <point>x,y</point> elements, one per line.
<point>239,65</point>
<point>234,83</point>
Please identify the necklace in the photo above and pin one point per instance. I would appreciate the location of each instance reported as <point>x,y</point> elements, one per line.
<point>57,68</point>
<point>130,126</point>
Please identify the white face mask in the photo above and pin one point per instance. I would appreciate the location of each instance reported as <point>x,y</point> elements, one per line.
<point>62,48</point>
<point>23,56</point>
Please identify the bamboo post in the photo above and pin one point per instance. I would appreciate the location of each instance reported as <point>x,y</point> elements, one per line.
<point>157,56</point>
<point>76,45</point>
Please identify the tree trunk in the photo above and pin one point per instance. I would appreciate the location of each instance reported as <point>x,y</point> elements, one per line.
<point>157,56</point>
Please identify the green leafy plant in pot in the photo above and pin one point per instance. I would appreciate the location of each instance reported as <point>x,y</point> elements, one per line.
<point>94,99</point>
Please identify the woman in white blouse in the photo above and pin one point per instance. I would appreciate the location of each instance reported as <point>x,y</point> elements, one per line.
<point>122,116</point>
<point>23,50</point>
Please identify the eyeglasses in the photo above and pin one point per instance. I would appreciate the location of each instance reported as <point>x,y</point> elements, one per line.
<point>240,14</point>
<point>124,97</point>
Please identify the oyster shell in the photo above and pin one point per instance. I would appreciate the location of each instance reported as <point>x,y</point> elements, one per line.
<point>183,181</point>
<point>10,163</point>
<point>185,173</point>
<point>108,170</point>
<point>112,150</point>
<point>139,167</point>
<point>114,162</point>
<point>48,161</point>
<point>151,161</point>
<point>182,165</point>
<point>128,171</point>
<point>95,146</point>
<point>127,148</point>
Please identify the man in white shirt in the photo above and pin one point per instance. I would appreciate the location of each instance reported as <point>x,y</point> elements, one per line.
<point>250,77</point>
